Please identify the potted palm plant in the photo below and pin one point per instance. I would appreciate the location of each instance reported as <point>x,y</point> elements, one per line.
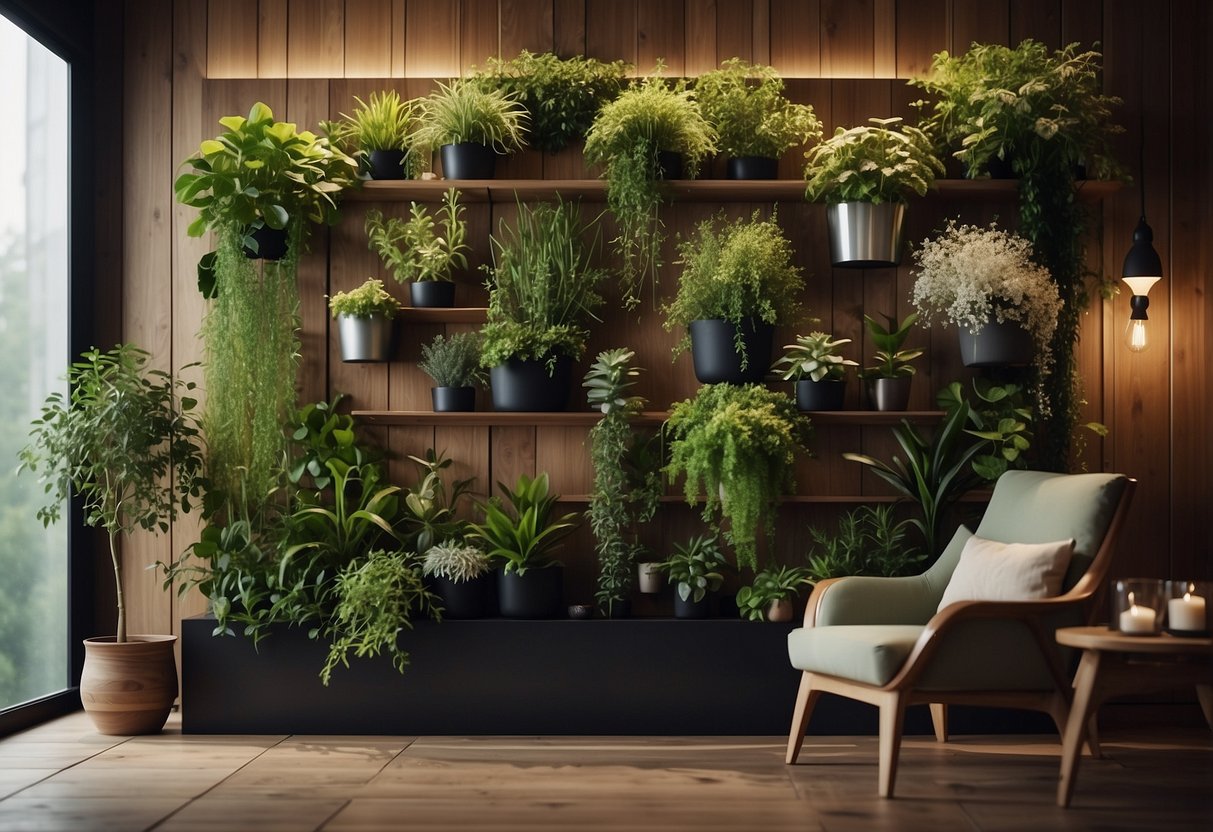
<point>380,132</point>
<point>735,286</point>
<point>422,251</point>
<point>541,290</point>
<point>888,380</point>
<point>125,441</point>
<point>695,569</point>
<point>865,175</point>
<point>470,125</point>
<point>818,370</point>
<point>737,446</point>
<point>652,131</point>
<point>453,362</point>
<point>364,318</point>
<point>769,597</point>
<point>754,123</point>
<point>463,578</point>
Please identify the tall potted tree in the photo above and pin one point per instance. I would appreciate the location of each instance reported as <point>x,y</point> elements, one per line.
<point>128,445</point>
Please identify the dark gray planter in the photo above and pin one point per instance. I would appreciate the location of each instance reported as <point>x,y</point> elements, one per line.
<point>753,167</point>
<point>889,393</point>
<point>689,608</point>
<point>525,386</point>
<point>467,599</point>
<point>453,399</point>
<point>537,593</point>
<point>715,356</point>
<point>865,236</point>
<point>365,339</point>
<point>386,164</point>
<point>996,345</point>
<point>432,294</point>
<point>468,160</point>
<point>827,394</point>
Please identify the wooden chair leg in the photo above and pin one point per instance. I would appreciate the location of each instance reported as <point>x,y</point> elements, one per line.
<point>806,698</point>
<point>939,718</point>
<point>892,718</point>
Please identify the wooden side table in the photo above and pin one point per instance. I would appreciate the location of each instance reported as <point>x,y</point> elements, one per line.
<point>1114,664</point>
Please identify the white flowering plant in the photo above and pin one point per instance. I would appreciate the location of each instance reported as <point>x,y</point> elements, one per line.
<point>971,275</point>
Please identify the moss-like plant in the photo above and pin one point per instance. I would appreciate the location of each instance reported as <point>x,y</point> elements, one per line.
<point>453,360</point>
<point>561,95</point>
<point>419,248</point>
<point>743,270</point>
<point>873,163</point>
<point>737,446</point>
<point>744,103</point>
<point>368,299</point>
<point>465,111</point>
<point>627,135</point>
<point>542,287</point>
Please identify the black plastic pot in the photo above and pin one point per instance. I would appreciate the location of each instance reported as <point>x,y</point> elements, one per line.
<point>753,167</point>
<point>468,160</point>
<point>432,294</point>
<point>466,599</point>
<point>271,244</point>
<point>888,394</point>
<point>995,344</point>
<point>386,164</point>
<point>537,593</point>
<point>621,608</point>
<point>669,165</point>
<point>715,356</point>
<point>453,399</point>
<point>526,386</point>
<point>689,608</point>
<point>827,394</point>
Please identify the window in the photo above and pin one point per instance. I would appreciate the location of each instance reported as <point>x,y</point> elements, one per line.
<point>34,270</point>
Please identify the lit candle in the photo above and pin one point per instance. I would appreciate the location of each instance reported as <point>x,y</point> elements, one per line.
<point>1137,619</point>
<point>1188,612</point>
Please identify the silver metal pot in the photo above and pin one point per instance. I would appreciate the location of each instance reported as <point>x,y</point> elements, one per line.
<point>365,339</point>
<point>865,236</point>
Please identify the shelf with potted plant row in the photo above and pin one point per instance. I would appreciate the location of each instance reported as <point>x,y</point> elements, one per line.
<point>587,418</point>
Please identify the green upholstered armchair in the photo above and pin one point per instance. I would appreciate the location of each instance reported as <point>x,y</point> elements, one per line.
<point>881,640</point>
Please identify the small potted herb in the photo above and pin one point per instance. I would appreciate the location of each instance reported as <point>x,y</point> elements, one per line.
<point>769,597</point>
<point>453,362</point>
<point>888,381</point>
<point>364,318</point>
<point>736,285</point>
<point>865,174</point>
<point>818,370</point>
<point>463,578</point>
<point>381,132</point>
<point>423,251</point>
<point>471,126</point>
<point>754,123</point>
<point>695,569</point>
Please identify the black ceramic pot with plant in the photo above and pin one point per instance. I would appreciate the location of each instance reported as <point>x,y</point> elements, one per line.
<point>470,123</point>
<point>462,577</point>
<point>715,356</point>
<point>386,164</point>
<point>527,386</point>
<point>432,294</point>
<point>453,362</point>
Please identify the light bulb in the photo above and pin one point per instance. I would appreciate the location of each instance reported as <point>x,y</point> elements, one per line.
<point>1135,335</point>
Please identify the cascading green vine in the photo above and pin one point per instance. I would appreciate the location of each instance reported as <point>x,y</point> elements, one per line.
<point>252,357</point>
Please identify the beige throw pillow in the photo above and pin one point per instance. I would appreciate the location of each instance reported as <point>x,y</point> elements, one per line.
<point>993,571</point>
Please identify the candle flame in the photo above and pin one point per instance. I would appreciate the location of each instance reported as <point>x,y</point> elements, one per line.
<point>1187,597</point>
<point>1132,603</point>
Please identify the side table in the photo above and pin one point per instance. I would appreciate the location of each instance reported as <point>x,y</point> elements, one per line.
<point>1114,664</point>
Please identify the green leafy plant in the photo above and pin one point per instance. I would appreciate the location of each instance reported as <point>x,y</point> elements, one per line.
<point>385,121</point>
<point>620,500</point>
<point>453,360</point>
<point>815,357</point>
<point>376,599</point>
<point>465,111</point>
<point>744,103</point>
<point>561,95</point>
<point>125,442</point>
<point>526,539</point>
<point>1002,417</point>
<point>319,433</point>
<point>868,541</point>
<point>696,568</point>
<point>456,562</point>
<point>368,299</point>
<point>875,163</point>
<point>737,446</point>
<point>891,360</point>
<point>431,508</point>
<point>770,585</point>
<point>743,271</point>
<point>419,248</point>
<point>541,286</point>
<point>626,137</point>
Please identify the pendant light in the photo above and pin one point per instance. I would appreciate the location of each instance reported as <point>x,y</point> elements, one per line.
<point>1143,266</point>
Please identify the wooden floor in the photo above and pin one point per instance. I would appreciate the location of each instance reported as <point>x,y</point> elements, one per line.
<point>63,776</point>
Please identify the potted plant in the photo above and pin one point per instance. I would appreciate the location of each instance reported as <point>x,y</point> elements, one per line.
<point>754,123</point>
<point>867,541</point>
<point>541,290</point>
<point>652,131</point>
<point>818,370</point>
<point>125,441</point>
<point>522,539</point>
<point>364,318</point>
<point>865,174</point>
<point>620,502</point>
<point>888,380</point>
<point>463,577</point>
<point>380,132</point>
<point>737,446</point>
<point>453,362</point>
<point>769,597</point>
<point>986,283</point>
<point>650,577</point>
<point>423,251</point>
<point>735,286</point>
<point>695,569</point>
<point>471,126</point>
<point>561,96</point>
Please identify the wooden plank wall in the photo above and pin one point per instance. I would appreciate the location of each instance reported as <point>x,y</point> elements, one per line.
<point>190,63</point>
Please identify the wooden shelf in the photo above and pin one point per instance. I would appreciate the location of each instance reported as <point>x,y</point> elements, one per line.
<point>585,418</point>
<point>872,417</point>
<point>450,315</point>
<point>982,496</point>
<point>692,190</point>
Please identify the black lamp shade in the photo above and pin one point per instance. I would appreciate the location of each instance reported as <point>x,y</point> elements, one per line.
<point>1142,260</point>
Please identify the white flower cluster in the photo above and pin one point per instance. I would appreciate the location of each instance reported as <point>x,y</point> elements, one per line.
<point>971,275</point>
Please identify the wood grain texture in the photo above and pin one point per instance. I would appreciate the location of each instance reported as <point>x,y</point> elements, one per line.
<point>478,34</point>
<point>847,38</point>
<point>399,21</point>
<point>796,38</point>
<point>700,51</point>
<point>231,43</point>
<point>610,30</point>
<point>661,34</point>
<point>431,39</point>
<point>979,21</point>
<point>271,38</point>
<point>886,38</point>
<point>568,26</point>
<point>315,39</point>
<point>368,39</point>
<point>1037,19</point>
<point>526,24</point>
<point>735,30</point>
<point>922,30</point>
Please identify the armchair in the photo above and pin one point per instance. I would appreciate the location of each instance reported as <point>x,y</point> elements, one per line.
<point>881,640</point>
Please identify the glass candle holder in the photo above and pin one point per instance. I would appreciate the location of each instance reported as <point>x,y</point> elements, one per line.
<point>1188,610</point>
<point>1139,606</point>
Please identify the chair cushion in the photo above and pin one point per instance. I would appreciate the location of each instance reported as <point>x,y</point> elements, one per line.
<point>993,571</point>
<point>870,653</point>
